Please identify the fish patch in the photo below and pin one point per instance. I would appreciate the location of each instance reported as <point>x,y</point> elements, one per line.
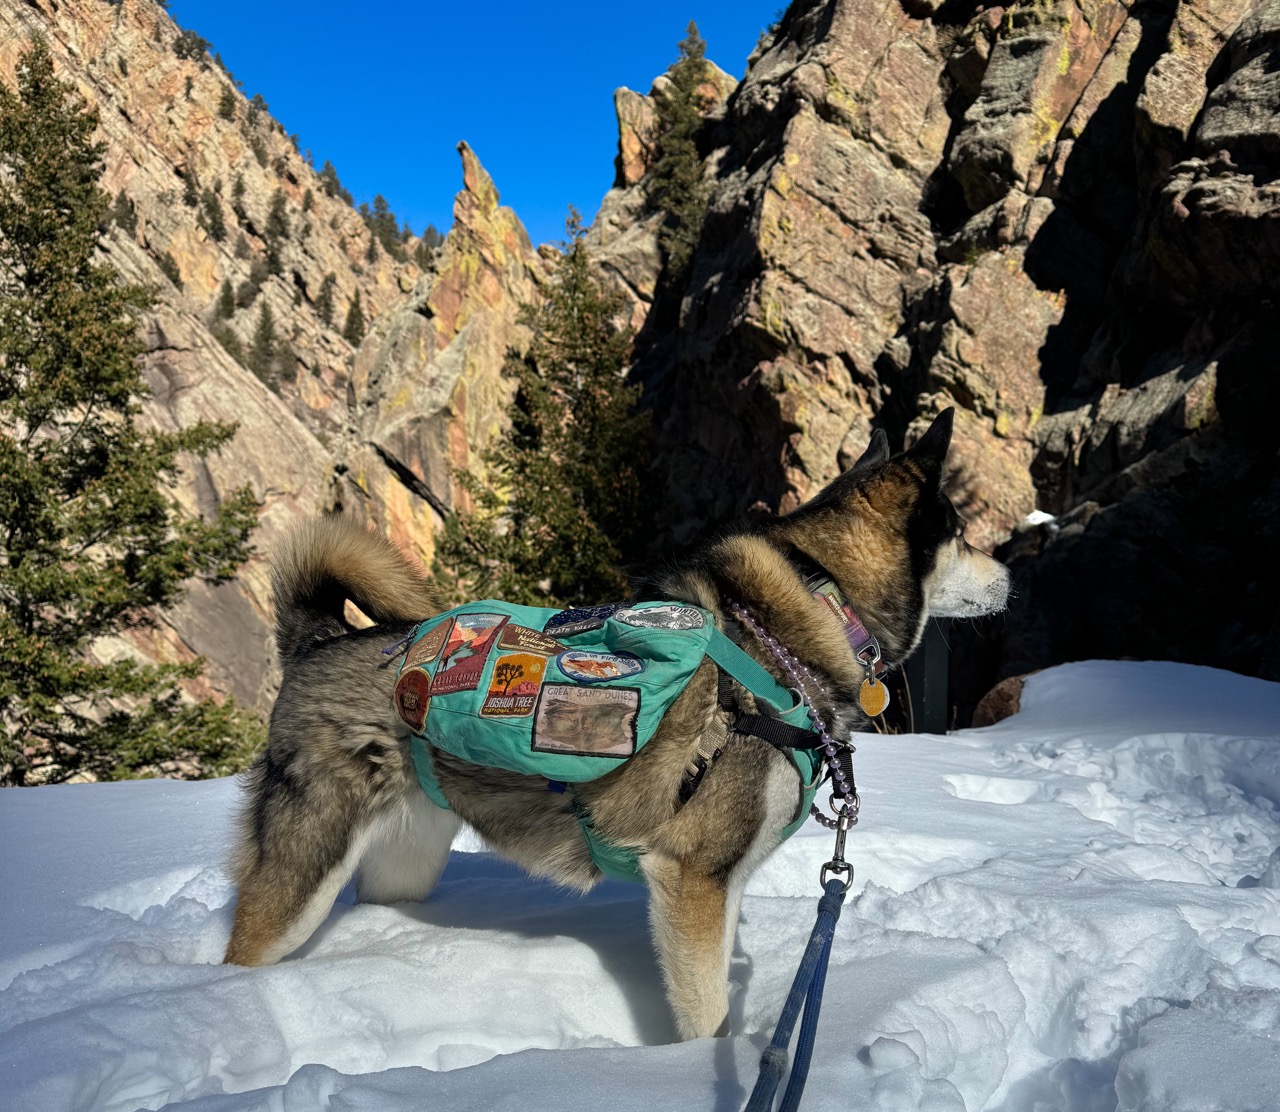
<point>597,667</point>
<point>586,721</point>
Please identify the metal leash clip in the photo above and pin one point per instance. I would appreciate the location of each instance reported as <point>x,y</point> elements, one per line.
<point>838,866</point>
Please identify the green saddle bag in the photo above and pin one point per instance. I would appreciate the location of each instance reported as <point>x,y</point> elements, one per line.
<point>566,695</point>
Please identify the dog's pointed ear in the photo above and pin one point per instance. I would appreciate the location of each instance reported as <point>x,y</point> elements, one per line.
<point>877,451</point>
<point>931,449</point>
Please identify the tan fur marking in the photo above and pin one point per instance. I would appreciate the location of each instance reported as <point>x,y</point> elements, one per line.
<point>688,920</point>
<point>765,582</point>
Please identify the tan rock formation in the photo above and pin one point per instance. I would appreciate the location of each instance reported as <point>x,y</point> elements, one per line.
<point>623,238</point>
<point>428,391</point>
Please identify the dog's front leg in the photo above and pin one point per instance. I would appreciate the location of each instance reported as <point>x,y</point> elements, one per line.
<point>688,914</point>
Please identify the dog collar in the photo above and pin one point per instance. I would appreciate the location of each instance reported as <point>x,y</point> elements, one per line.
<point>822,585</point>
<point>873,695</point>
<point>863,643</point>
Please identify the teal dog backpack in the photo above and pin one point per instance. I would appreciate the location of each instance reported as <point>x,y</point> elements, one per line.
<point>569,695</point>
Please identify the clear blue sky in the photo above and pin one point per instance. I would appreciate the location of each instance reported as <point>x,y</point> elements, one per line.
<point>386,90</point>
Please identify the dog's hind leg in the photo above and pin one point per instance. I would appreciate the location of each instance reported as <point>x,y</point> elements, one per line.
<point>302,833</point>
<point>406,851</point>
<point>294,857</point>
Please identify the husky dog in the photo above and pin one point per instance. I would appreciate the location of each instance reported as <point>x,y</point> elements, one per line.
<point>335,792</point>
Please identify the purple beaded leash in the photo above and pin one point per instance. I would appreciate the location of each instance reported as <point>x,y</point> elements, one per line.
<point>844,798</point>
<point>837,879</point>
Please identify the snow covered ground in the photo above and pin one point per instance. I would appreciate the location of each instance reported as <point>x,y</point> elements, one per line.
<point>1076,909</point>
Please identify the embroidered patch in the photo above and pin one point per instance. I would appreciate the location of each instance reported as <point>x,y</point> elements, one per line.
<point>592,667</point>
<point>663,617</point>
<point>586,721</point>
<point>514,686</point>
<point>427,647</point>
<point>580,619</point>
<point>528,640</point>
<point>465,652</point>
<point>413,698</point>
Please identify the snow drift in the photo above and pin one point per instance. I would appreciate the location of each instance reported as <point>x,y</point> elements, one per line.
<point>1076,909</point>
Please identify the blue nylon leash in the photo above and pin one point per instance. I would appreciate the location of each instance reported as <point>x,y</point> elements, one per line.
<point>806,992</point>
<point>808,1030</point>
<point>811,977</point>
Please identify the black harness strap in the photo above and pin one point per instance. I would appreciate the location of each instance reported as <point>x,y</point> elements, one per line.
<point>777,733</point>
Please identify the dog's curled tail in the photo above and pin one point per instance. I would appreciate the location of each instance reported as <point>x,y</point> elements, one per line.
<point>323,562</point>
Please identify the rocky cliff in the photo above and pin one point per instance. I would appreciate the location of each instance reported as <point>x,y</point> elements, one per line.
<point>209,194</point>
<point>1060,217</point>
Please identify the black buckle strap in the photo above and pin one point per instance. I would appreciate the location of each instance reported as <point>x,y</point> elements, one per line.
<point>779,734</point>
<point>693,775</point>
<point>728,698</point>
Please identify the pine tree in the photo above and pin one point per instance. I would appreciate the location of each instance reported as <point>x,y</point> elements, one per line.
<point>190,45</point>
<point>125,214</point>
<point>331,185</point>
<point>425,252</point>
<point>169,266</point>
<point>262,352</point>
<point>250,287</point>
<point>576,508</point>
<point>676,182</point>
<point>214,221</point>
<point>277,217</point>
<point>91,542</point>
<point>227,103</point>
<point>237,199</point>
<point>353,328</point>
<point>324,300</point>
<point>190,188</point>
<point>277,231</point>
<point>226,300</point>
<point>385,228</point>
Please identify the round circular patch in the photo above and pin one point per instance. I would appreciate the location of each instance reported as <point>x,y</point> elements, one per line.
<point>413,697</point>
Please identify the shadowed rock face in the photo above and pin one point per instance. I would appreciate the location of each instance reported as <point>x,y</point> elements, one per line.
<point>1060,217</point>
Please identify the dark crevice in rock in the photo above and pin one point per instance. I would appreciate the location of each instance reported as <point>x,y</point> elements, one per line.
<point>1076,249</point>
<point>411,480</point>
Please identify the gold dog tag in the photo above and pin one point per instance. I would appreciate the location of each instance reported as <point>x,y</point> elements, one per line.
<point>873,696</point>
